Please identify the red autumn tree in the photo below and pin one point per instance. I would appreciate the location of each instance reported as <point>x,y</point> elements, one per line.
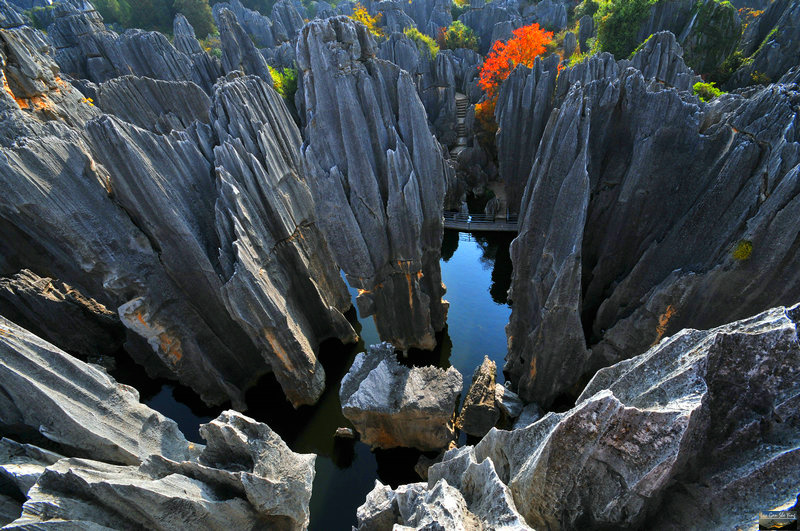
<point>523,48</point>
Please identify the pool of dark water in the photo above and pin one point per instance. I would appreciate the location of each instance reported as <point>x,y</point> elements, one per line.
<point>476,268</point>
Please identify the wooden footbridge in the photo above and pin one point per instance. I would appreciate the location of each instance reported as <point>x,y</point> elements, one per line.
<point>480,222</point>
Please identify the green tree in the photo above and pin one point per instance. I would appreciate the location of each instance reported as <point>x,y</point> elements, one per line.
<point>198,13</point>
<point>151,15</point>
<point>458,35</point>
<point>618,23</point>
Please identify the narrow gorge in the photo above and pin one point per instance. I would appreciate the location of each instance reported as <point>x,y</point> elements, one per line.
<point>425,264</point>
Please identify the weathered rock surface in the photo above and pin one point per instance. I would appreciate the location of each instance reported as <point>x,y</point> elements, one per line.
<point>524,104</point>
<point>391,405</point>
<point>157,105</point>
<point>661,58</point>
<point>480,413</point>
<point>60,314</point>
<point>86,49</point>
<point>377,176</point>
<point>49,395</point>
<point>671,436</point>
<point>238,51</point>
<point>771,43</point>
<point>122,465</point>
<point>417,506</point>
<point>634,230</point>
<point>183,226</point>
<point>246,477</point>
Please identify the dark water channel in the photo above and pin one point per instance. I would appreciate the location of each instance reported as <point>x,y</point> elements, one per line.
<point>476,268</point>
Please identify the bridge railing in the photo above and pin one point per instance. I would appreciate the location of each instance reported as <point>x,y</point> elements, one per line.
<point>479,218</point>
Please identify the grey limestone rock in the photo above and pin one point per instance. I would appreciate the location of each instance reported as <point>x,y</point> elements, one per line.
<point>670,437</point>
<point>245,478</point>
<point>771,43</point>
<point>46,393</point>
<point>238,51</point>
<point>378,178</point>
<point>480,412</point>
<point>661,59</point>
<point>395,406</point>
<point>55,311</point>
<point>84,48</point>
<point>524,104</point>
<point>153,104</point>
<point>254,23</point>
<point>585,32</point>
<point>653,243</point>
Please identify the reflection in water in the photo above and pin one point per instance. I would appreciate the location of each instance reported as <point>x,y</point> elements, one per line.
<point>477,271</point>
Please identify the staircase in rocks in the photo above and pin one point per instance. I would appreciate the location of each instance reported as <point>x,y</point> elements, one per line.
<point>462,104</point>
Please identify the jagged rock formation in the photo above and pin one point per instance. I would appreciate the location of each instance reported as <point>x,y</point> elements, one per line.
<point>442,506</point>
<point>55,311</point>
<point>672,436</point>
<point>183,226</point>
<point>238,51</point>
<point>771,44</point>
<point>480,413</point>
<point>661,58</point>
<point>391,405</point>
<point>378,179</point>
<point>86,49</point>
<point>526,99</point>
<point>49,396</point>
<point>631,231</point>
<point>153,104</point>
<point>118,464</point>
<point>524,104</point>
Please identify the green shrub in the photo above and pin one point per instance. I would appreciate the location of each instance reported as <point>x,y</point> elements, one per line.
<point>212,44</point>
<point>618,23</point>
<point>284,81</point>
<point>198,13</point>
<point>587,7</point>
<point>707,91</point>
<point>457,35</point>
<point>743,250</point>
<point>425,44</point>
<point>760,78</point>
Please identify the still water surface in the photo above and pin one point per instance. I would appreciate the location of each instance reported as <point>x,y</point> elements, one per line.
<point>477,271</point>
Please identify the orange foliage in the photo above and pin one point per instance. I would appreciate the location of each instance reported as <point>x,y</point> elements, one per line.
<point>527,44</point>
<point>484,115</point>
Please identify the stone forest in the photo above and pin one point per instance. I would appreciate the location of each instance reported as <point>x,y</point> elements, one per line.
<point>399,264</point>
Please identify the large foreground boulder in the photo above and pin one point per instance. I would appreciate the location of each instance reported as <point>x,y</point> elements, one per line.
<point>396,406</point>
<point>86,454</point>
<point>701,431</point>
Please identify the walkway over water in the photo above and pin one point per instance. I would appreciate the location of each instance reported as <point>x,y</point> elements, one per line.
<point>480,222</point>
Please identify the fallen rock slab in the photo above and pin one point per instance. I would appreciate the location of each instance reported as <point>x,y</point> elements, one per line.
<point>392,406</point>
<point>480,413</point>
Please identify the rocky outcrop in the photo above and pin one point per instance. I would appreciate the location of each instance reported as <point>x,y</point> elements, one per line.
<point>86,49</point>
<point>238,51</point>
<point>529,95</point>
<point>771,44</point>
<point>661,58</point>
<point>261,203</point>
<point>618,246</point>
<point>391,405</point>
<point>671,436</point>
<point>183,226</point>
<point>55,311</point>
<point>442,506</point>
<point>480,413</point>
<point>524,104</point>
<point>157,105</point>
<point>254,23</point>
<point>266,223</point>
<point>377,176</point>
<point>119,464</point>
<point>491,22</point>
<point>47,395</point>
<point>33,91</point>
